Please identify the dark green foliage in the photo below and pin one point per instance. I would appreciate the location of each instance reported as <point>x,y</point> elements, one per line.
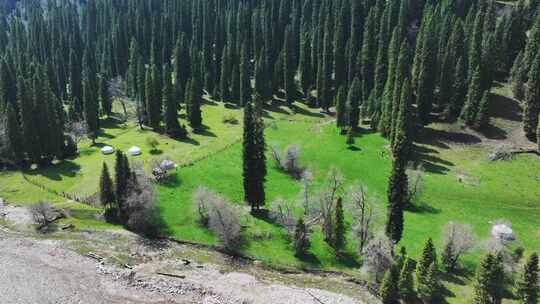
<point>354,99</point>
<point>527,285</point>
<point>428,257</point>
<point>397,200</point>
<point>489,280</point>
<point>104,98</point>
<point>289,68</point>
<point>194,102</point>
<point>325,92</point>
<point>301,239</point>
<point>245,82</point>
<point>429,286</point>
<point>518,75</point>
<point>389,291</point>
<point>106,188</point>
<point>342,110</point>
<point>482,116</point>
<point>406,281</point>
<point>532,100</point>
<point>15,141</point>
<point>474,96</point>
<point>306,70</point>
<point>339,231</point>
<point>427,71</point>
<point>90,107</point>
<point>172,127</point>
<point>254,159</point>
<point>122,173</point>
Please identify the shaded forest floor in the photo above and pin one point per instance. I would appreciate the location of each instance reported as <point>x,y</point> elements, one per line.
<point>461,184</point>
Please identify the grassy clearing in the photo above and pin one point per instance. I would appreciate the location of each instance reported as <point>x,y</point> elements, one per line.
<point>461,184</point>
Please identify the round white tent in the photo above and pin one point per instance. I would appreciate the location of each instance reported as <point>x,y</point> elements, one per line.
<point>107,150</point>
<point>134,151</point>
<point>502,232</point>
<point>167,165</point>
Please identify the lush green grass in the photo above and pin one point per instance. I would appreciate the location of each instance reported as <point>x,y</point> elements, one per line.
<point>461,184</point>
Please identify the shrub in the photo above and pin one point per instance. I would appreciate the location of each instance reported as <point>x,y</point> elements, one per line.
<point>288,161</point>
<point>457,240</point>
<point>220,216</point>
<point>377,255</point>
<point>142,214</point>
<point>229,119</point>
<point>152,143</point>
<point>301,238</point>
<point>43,214</point>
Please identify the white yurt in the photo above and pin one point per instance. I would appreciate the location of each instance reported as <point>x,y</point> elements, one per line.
<point>167,165</point>
<point>134,151</point>
<point>502,232</point>
<point>107,150</point>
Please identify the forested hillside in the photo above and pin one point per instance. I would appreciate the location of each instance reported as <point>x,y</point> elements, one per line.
<point>72,71</point>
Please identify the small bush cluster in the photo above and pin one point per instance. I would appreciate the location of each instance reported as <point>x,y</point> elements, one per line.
<point>288,161</point>
<point>220,216</point>
<point>43,214</point>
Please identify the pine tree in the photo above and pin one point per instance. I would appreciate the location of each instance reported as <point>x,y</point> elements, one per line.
<point>325,97</point>
<point>483,280</point>
<point>527,286</point>
<point>339,230</point>
<point>389,291</point>
<point>532,100</point>
<point>172,127</point>
<point>121,181</point>
<point>459,90</point>
<point>301,238</point>
<point>193,101</point>
<point>401,140</point>
<point>254,161</point>
<point>429,256</point>
<point>245,79</point>
<point>289,68</point>
<point>426,73</point>
<point>482,116</point>
<point>428,286</point>
<point>397,199</point>
<point>406,281</point>
<point>306,70</point>
<point>15,144</point>
<point>104,97</point>
<point>106,188</point>
<point>474,96</point>
<point>342,120</point>
<point>353,103</point>
<point>90,108</point>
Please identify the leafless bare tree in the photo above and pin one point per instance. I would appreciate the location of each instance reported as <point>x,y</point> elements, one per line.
<point>43,214</point>
<point>416,176</point>
<point>377,255</point>
<point>361,206</point>
<point>458,239</point>
<point>288,161</point>
<point>327,198</point>
<point>282,212</point>
<point>140,205</point>
<point>77,130</point>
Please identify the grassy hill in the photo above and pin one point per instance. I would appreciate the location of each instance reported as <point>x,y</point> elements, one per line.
<point>461,184</point>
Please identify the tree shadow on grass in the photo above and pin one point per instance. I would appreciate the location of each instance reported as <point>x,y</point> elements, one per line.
<point>304,112</point>
<point>432,163</point>
<point>505,108</point>
<point>156,152</point>
<point>112,122</point>
<point>189,140</point>
<point>423,208</point>
<point>443,139</point>
<point>57,172</point>
<point>205,131</point>
<point>493,132</point>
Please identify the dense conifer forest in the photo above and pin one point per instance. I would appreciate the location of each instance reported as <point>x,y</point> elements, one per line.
<point>386,66</point>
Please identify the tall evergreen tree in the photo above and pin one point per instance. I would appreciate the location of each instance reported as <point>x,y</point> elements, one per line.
<point>532,100</point>
<point>527,285</point>
<point>15,141</point>
<point>106,188</point>
<point>172,127</point>
<point>254,160</point>
<point>342,110</point>
<point>354,99</point>
<point>389,291</point>
<point>406,281</point>
<point>289,67</point>
<point>90,108</point>
<point>339,231</point>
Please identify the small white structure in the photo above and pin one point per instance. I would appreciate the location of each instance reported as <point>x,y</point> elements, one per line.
<point>502,232</point>
<point>134,151</point>
<point>107,150</point>
<point>167,165</point>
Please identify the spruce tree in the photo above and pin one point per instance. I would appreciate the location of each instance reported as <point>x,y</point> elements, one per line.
<point>104,97</point>
<point>397,199</point>
<point>106,188</point>
<point>459,90</point>
<point>301,239</point>
<point>406,281</point>
<point>354,99</point>
<point>428,257</point>
<point>342,120</point>
<point>425,85</point>
<point>289,68</point>
<point>532,101</point>
<point>15,141</point>
<point>325,98</point>
<point>527,285</point>
<point>121,181</point>
<point>172,127</point>
<point>483,280</point>
<point>428,286</point>
<point>254,161</point>
<point>474,95</point>
<point>306,70</point>
<point>193,101</point>
<point>482,116</point>
<point>245,79</point>
<point>389,291</point>
<point>90,108</point>
<point>339,230</point>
